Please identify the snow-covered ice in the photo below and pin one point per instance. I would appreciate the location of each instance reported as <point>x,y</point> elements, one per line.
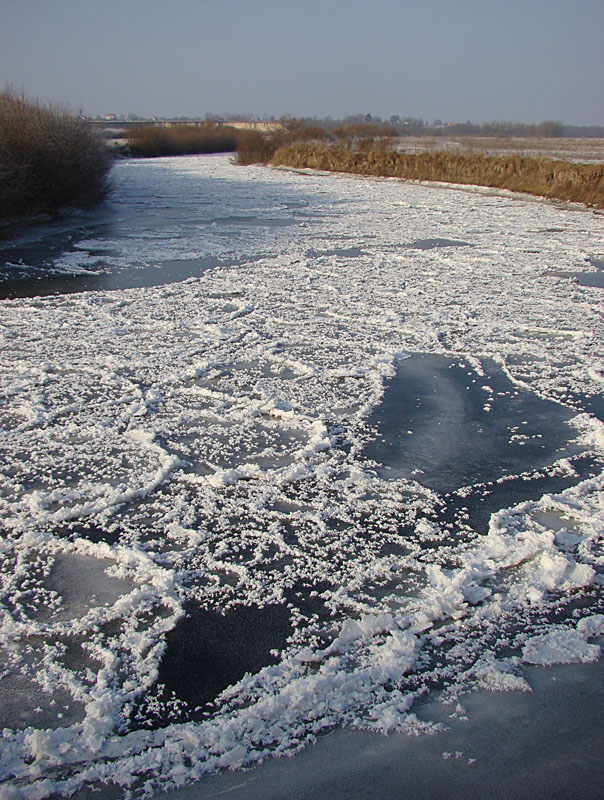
<point>247,500</point>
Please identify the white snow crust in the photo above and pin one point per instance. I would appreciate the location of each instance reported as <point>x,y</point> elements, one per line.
<point>202,443</point>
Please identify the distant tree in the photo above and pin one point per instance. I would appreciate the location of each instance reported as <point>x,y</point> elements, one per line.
<point>584,131</point>
<point>550,129</point>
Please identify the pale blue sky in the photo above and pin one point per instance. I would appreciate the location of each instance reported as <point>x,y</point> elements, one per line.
<point>519,60</point>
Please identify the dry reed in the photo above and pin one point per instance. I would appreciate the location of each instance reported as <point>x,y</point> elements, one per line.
<point>558,180</point>
<point>158,140</point>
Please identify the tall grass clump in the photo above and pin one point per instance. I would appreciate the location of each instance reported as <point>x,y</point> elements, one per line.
<point>257,148</point>
<point>151,141</point>
<point>254,147</point>
<point>555,179</point>
<point>48,158</point>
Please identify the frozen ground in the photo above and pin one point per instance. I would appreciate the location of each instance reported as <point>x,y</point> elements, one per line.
<point>581,150</point>
<point>286,453</point>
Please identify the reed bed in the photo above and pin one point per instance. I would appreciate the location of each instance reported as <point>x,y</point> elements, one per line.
<point>260,149</point>
<point>555,179</point>
<point>49,158</point>
<point>157,140</point>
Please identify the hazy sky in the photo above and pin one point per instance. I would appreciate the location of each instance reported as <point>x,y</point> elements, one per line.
<point>484,60</point>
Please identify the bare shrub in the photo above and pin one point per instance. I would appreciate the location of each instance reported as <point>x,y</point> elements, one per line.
<point>48,158</point>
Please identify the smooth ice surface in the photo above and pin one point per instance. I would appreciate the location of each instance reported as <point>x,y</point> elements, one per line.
<point>447,426</point>
<point>204,562</point>
<point>546,742</point>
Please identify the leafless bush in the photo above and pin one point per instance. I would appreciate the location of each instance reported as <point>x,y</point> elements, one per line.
<point>48,158</point>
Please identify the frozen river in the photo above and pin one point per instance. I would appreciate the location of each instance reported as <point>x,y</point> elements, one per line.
<point>283,453</point>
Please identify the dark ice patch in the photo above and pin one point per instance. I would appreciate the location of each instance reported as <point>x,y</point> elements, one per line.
<point>594,279</point>
<point>254,222</point>
<point>432,244</point>
<point>443,425</point>
<point>476,506</point>
<point>208,651</point>
<point>43,282</point>
<point>339,252</point>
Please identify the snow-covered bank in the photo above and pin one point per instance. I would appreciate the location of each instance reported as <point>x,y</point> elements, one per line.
<point>201,448</point>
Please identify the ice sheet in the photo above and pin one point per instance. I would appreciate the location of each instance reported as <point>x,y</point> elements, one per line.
<point>202,447</point>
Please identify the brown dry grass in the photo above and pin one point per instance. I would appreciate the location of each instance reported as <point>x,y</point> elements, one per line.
<point>258,148</point>
<point>158,140</point>
<point>559,180</point>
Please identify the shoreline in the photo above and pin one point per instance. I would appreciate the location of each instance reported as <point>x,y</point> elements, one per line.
<point>558,180</point>
<point>469,188</point>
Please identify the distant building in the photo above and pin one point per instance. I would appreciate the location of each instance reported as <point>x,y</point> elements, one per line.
<point>263,127</point>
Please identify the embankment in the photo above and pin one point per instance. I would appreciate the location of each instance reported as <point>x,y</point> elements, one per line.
<point>557,180</point>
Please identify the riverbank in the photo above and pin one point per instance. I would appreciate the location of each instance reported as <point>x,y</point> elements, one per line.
<point>553,179</point>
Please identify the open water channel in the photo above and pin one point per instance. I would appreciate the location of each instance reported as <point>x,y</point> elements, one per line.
<point>285,453</point>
